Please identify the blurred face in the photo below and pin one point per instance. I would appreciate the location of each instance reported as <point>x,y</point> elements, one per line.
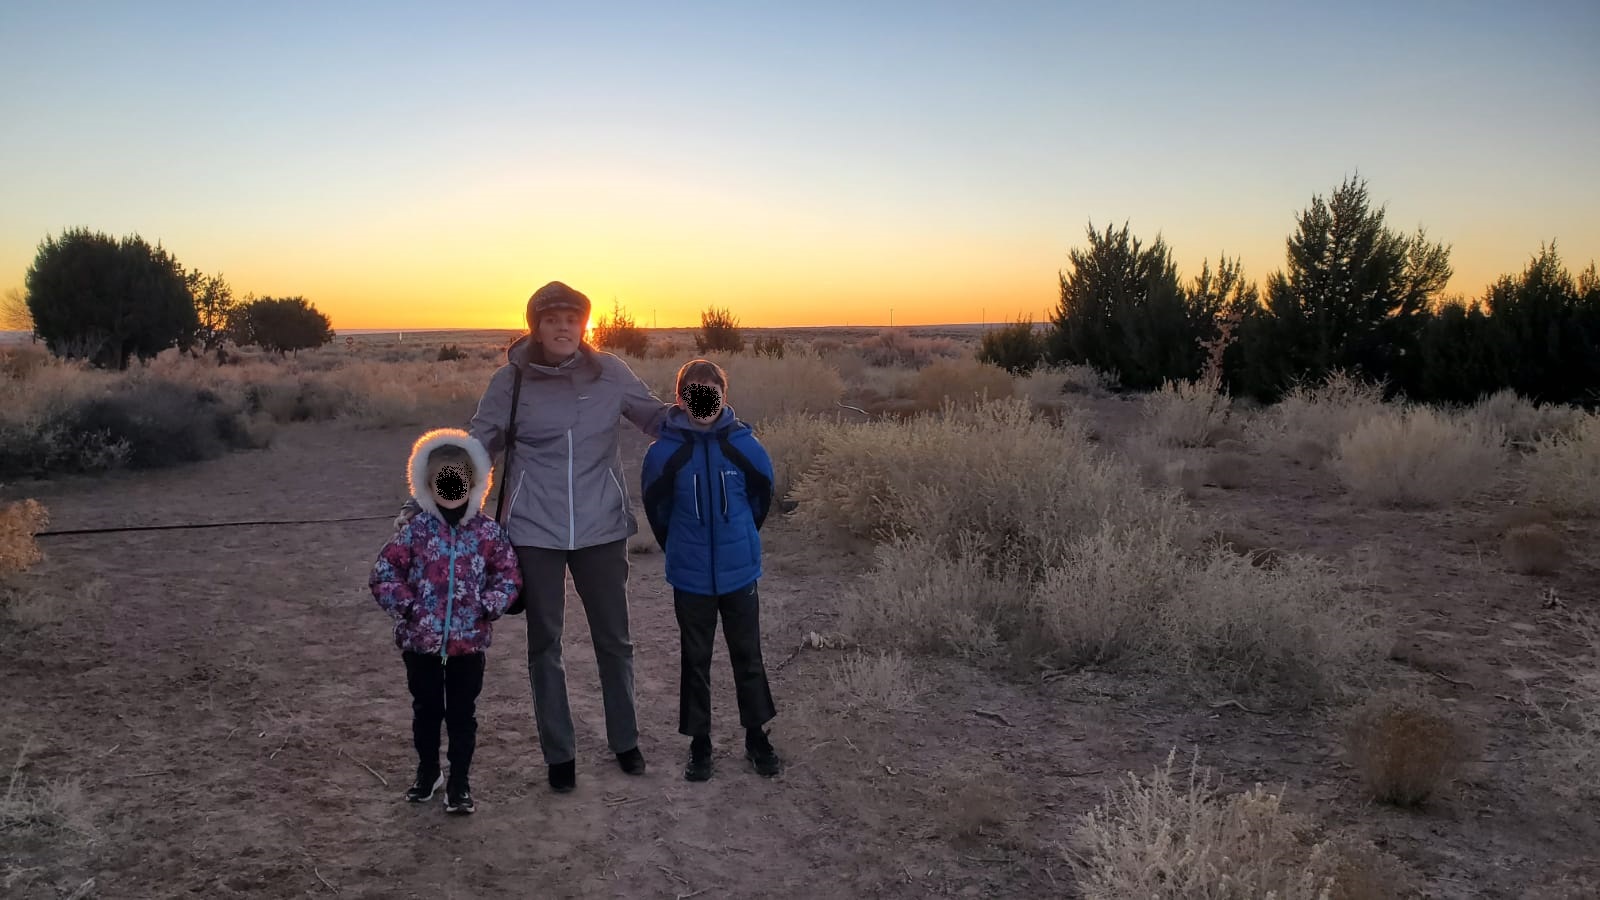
<point>702,399</point>
<point>560,331</point>
<point>450,484</point>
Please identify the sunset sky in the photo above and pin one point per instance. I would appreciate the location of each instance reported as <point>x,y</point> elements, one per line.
<point>801,163</point>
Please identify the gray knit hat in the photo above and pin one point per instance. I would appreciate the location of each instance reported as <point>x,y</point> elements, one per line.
<point>553,296</point>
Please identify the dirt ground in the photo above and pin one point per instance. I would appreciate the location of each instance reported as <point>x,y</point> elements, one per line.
<point>221,695</point>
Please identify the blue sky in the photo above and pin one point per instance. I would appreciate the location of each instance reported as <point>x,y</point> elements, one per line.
<point>803,164</point>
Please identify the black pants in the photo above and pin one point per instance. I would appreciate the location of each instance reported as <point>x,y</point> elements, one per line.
<point>447,693</point>
<point>741,628</point>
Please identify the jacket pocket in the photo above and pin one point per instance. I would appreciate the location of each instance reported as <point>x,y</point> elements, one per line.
<point>622,495</point>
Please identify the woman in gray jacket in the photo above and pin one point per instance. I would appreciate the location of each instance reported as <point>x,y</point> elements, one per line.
<point>567,510</point>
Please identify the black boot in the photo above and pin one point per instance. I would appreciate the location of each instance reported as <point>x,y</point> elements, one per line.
<point>564,776</point>
<point>699,768</point>
<point>759,751</point>
<point>458,796</point>
<point>429,779</point>
<point>631,761</point>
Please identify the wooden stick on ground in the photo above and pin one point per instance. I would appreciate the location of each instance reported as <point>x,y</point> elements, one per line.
<point>695,894</point>
<point>324,880</point>
<point>993,715</point>
<point>363,765</point>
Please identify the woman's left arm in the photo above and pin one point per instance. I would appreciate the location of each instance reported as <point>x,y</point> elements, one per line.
<point>640,405</point>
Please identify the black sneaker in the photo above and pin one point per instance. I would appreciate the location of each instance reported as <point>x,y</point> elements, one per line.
<point>699,767</point>
<point>458,797</point>
<point>631,761</point>
<point>759,751</point>
<point>428,781</point>
<point>564,776</point>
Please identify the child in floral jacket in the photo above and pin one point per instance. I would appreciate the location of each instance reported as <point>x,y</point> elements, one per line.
<point>445,577</point>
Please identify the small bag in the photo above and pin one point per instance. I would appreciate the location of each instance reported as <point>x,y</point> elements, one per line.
<point>517,603</point>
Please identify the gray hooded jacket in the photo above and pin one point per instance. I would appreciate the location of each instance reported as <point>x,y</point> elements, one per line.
<point>566,489</point>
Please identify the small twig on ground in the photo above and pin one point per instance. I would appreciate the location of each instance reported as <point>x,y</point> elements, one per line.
<point>274,754</point>
<point>790,658</point>
<point>1231,702</point>
<point>986,859</point>
<point>1051,875</point>
<point>854,408</point>
<point>232,733</point>
<point>324,880</point>
<point>993,715</point>
<point>148,774</point>
<point>692,894</point>
<point>673,875</point>
<point>363,765</point>
<point>112,750</point>
<point>852,746</point>
<point>1080,774</point>
<point>83,890</point>
<point>1443,677</point>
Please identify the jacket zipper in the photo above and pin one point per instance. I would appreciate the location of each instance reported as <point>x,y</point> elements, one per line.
<point>572,520</point>
<point>711,520</point>
<point>449,602</point>
<point>696,479</point>
<point>724,474</point>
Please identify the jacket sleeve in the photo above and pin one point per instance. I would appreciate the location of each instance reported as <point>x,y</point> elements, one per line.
<point>640,405</point>
<point>657,492</point>
<point>759,489</point>
<point>391,576</point>
<point>502,575</point>
<point>488,424</point>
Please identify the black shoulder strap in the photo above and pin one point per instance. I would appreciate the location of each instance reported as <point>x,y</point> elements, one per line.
<point>755,477</point>
<point>511,443</point>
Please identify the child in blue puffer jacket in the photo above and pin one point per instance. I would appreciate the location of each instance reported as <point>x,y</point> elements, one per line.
<point>707,489</point>
<point>444,577</point>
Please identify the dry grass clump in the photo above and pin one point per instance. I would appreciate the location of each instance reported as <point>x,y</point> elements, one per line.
<point>898,348</point>
<point>1573,760</point>
<point>792,441</point>
<point>1187,413</point>
<point>1563,471</point>
<point>1534,549</point>
<point>964,382</point>
<point>1003,535</point>
<point>48,808</point>
<point>1154,837</point>
<point>1407,746</point>
<point>19,522</point>
<point>1320,413</point>
<point>882,680</point>
<point>1418,457</point>
<point>1523,421</point>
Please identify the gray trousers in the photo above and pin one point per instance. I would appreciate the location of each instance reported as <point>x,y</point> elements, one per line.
<point>600,575</point>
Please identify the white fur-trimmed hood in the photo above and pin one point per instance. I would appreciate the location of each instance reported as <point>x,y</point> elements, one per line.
<point>417,469</point>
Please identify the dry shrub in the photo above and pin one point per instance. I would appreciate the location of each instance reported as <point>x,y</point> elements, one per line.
<point>881,680</point>
<point>964,382</point>
<point>49,808</point>
<point>979,806</point>
<point>1156,838</point>
<point>1563,471</point>
<point>1229,471</point>
<point>1321,413</point>
<point>1185,475</point>
<point>1308,452</point>
<point>1418,457</point>
<point>19,522</point>
<point>1407,746</point>
<point>1534,549</point>
<point>1523,421</point>
<point>792,442</point>
<point>1002,533</point>
<point>1573,761</point>
<point>1052,387</point>
<point>899,348</point>
<point>1186,413</point>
